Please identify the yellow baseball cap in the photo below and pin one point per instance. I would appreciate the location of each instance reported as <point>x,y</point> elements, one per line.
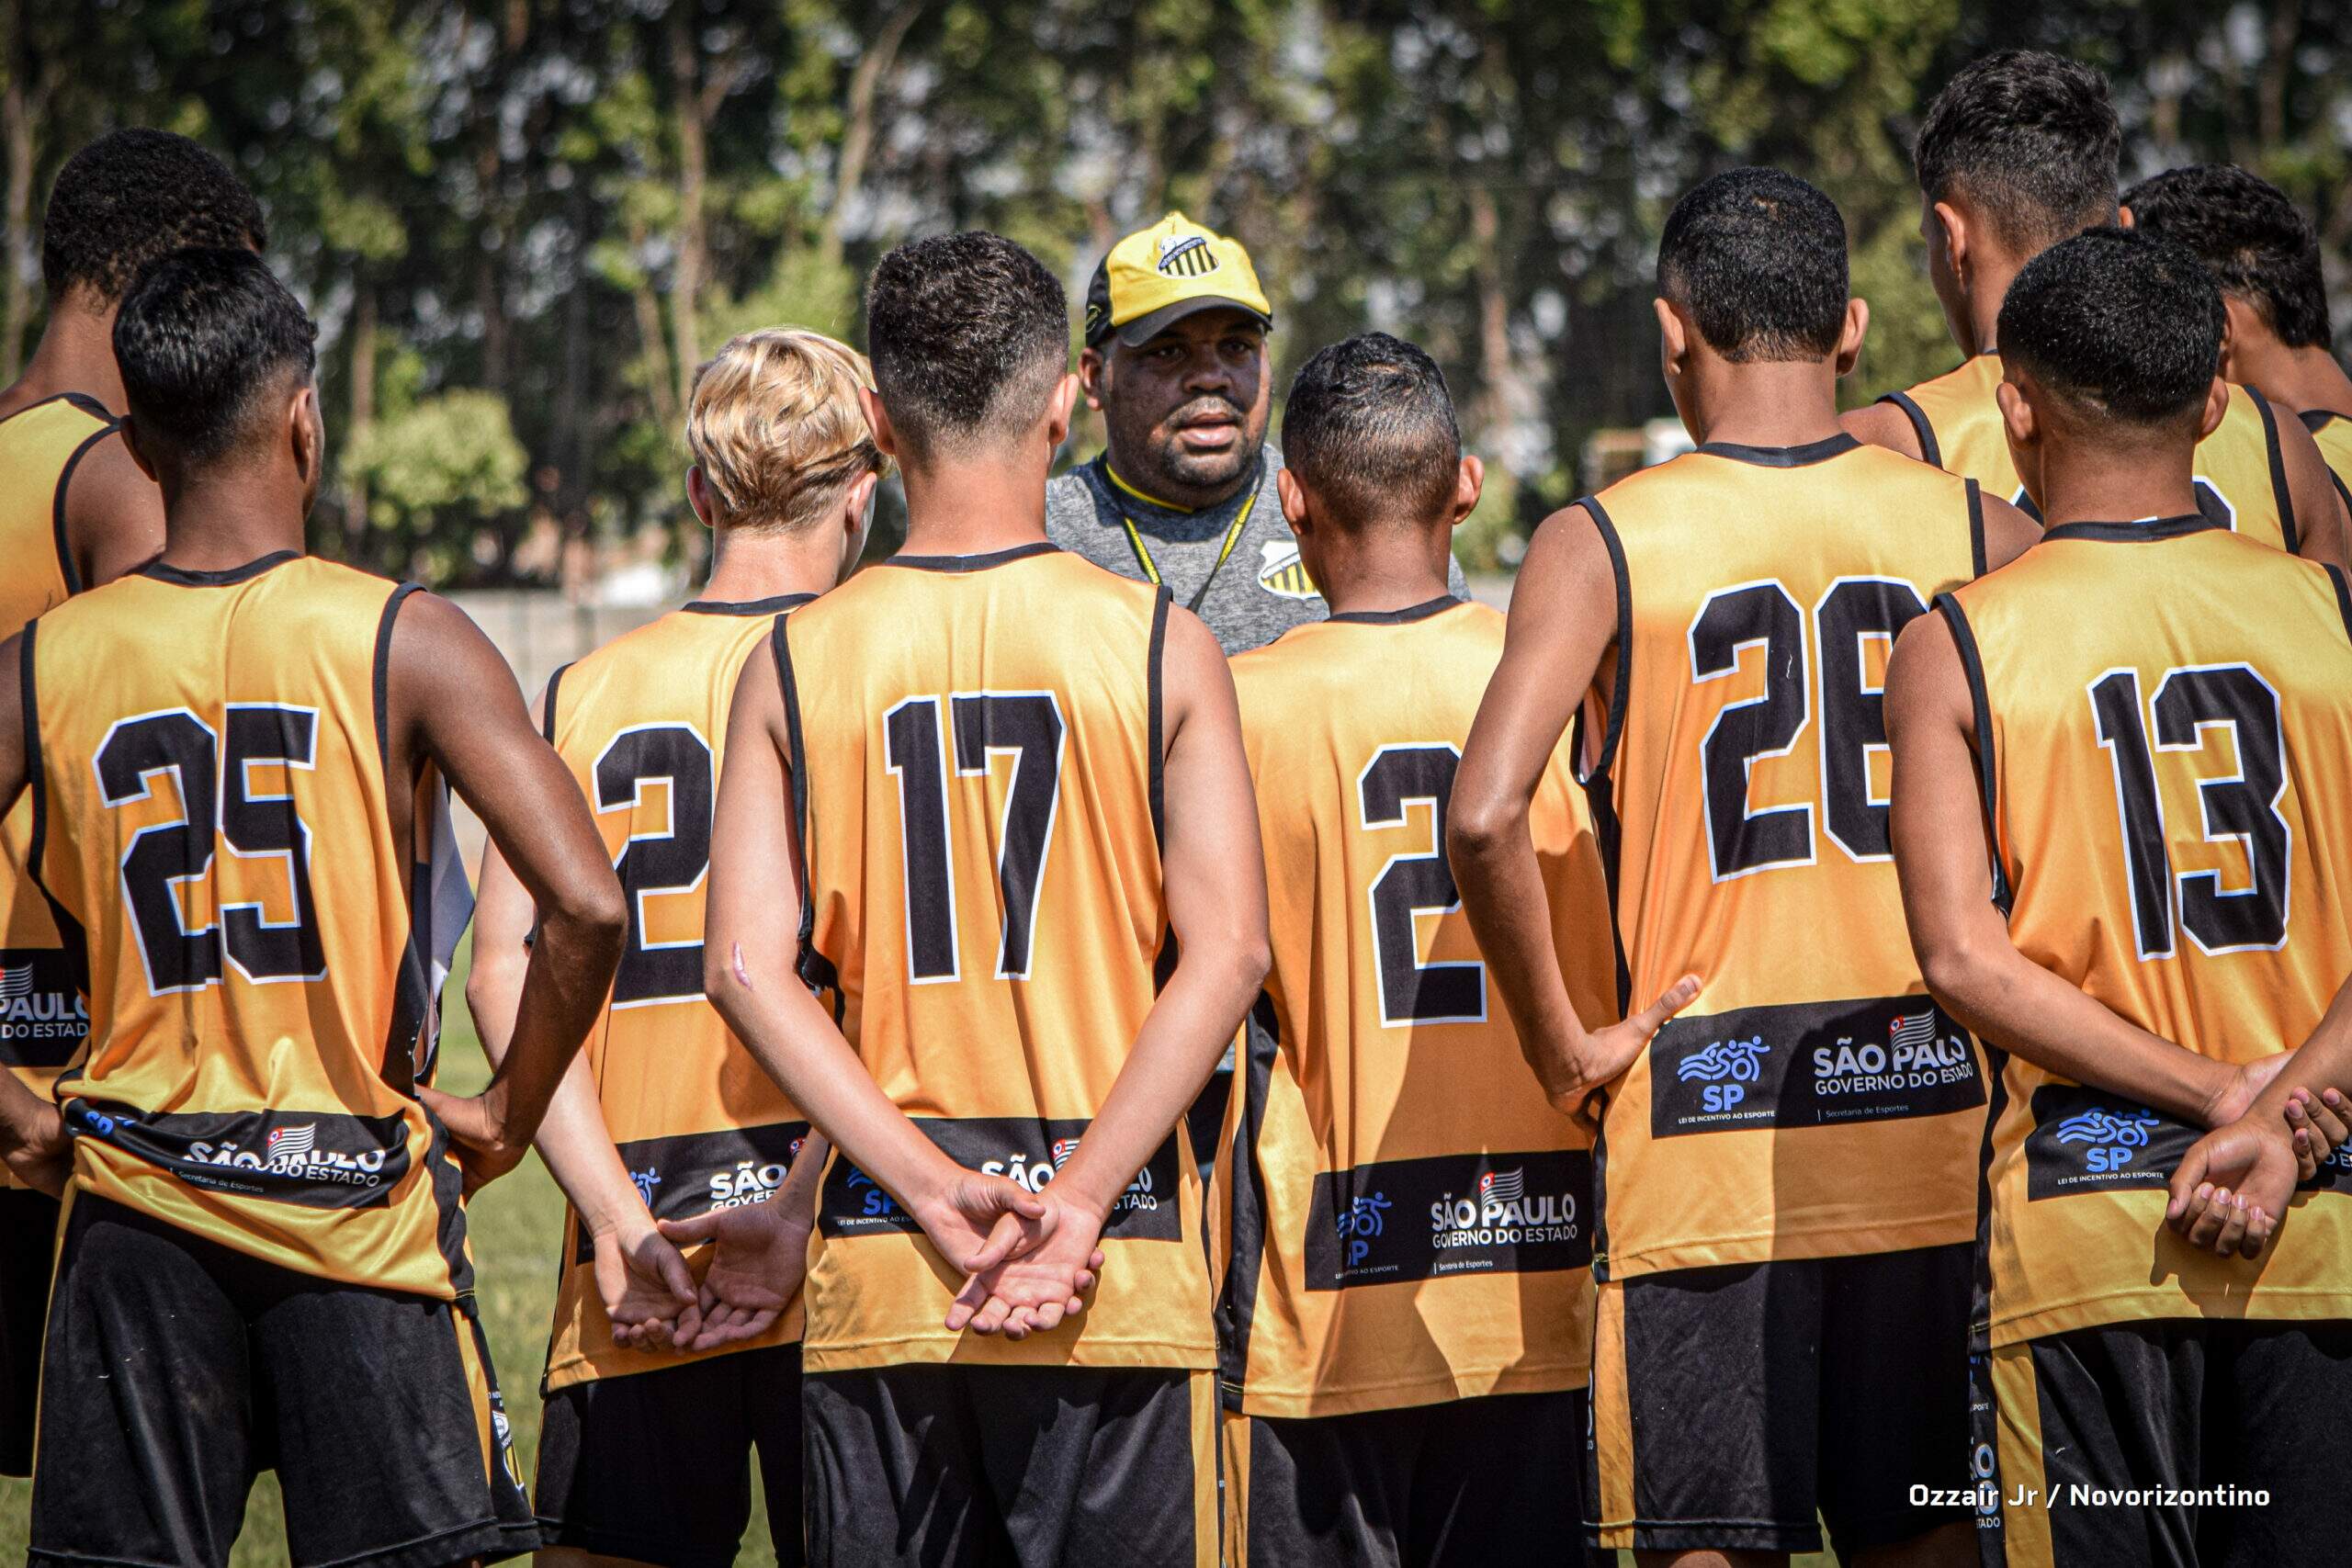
<point>1164,273</point>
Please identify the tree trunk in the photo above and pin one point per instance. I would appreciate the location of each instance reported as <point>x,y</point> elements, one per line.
<point>1502,398</point>
<point>693,159</point>
<point>858,138</point>
<point>658,383</point>
<point>363,414</point>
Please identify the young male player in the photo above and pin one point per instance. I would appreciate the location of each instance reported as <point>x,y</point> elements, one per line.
<point>2154,712</point>
<point>1787,1173</point>
<point>2264,254</point>
<point>74,511</point>
<point>1408,1313</point>
<point>645,1455</point>
<point>2017,151</point>
<point>993,800</point>
<point>233,755</point>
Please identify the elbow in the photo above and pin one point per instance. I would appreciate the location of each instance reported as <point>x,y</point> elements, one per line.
<point>593,915</point>
<point>1253,958</point>
<point>1952,972</point>
<point>1475,829</point>
<point>726,983</point>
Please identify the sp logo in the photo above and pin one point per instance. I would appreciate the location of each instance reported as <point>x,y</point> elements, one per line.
<point>2113,1137</point>
<point>1723,1070</point>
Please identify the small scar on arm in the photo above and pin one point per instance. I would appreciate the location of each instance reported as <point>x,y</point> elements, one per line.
<point>742,976</point>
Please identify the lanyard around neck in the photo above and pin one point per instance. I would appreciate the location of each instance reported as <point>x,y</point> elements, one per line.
<point>1232,537</point>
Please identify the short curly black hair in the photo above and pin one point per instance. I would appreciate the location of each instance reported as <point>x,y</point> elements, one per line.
<point>2256,242</point>
<point>1369,427</point>
<point>132,198</point>
<point>2031,140</point>
<point>1759,259</point>
<point>967,334</point>
<point>2124,325</point>
<point>201,334</point>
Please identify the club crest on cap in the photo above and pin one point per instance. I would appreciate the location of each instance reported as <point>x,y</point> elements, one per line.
<point>1186,255</point>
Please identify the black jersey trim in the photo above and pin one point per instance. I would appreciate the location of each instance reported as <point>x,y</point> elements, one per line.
<point>57,519</point>
<point>2282,491</point>
<point>1930,451</point>
<point>1972,664</point>
<point>2133,532</point>
<point>1783,457</point>
<point>1156,708</point>
<point>775,605</point>
<point>1976,554</point>
<point>976,563</point>
<point>1600,786</point>
<point>2343,597</point>
<point>1420,612</point>
<point>185,577</point>
<point>813,967</point>
<point>547,704</point>
<point>1237,1306</point>
<point>380,677</point>
<point>71,936</point>
<point>2342,493</point>
<point>82,401</point>
<point>412,987</point>
<point>2317,420</point>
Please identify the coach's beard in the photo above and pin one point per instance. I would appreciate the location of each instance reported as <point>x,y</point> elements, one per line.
<point>1199,454</point>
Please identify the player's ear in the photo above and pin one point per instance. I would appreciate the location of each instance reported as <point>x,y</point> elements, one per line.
<point>1468,481</point>
<point>1850,335</point>
<point>1093,374</point>
<point>2123,218</point>
<point>857,517</point>
<point>130,429</point>
<point>1058,409</point>
<point>1956,237</point>
<point>1674,343</point>
<point>305,430</point>
<point>877,420</point>
<point>2236,322</point>
<point>2217,405</point>
<point>2017,414</point>
<point>1294,500</point>
<point>698,495</point>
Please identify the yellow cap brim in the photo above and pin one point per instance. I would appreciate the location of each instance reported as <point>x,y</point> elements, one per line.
<point>1150,324</point>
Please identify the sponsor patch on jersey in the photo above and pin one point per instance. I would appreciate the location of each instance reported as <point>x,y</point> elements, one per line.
<point>42,1017</point>
<point>319,1159</point>
<point>692,1173</point>
<point>1810,1064</point>
<point>1424,1219</point>
<point>1281,573</point>
<point>1030,1153</point>
<point>2085,1140</point>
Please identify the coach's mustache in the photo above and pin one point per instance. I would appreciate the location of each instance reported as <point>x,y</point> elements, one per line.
<point>1209,408</point>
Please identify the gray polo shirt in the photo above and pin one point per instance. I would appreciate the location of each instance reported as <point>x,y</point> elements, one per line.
<point>1260,594</point>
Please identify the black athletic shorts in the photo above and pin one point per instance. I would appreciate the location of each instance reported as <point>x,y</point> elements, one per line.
<point>1490,1482</point>
<point>1047,1467</point>
<point>657,1466</point>
<point>176,1369</point>
<point>1733,1406</point>
<point>27,1243</point>
<point>2163,1442</point>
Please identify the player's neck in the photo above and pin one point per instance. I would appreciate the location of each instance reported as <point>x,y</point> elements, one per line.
<point>1988,286</point>
<point>746,568</point>
<point>1393,571</point>
<point>2300,379</point>
<point>2104,485</point>
<point>973,507</point>
<point>75,354</point>
<point>226,516</point>
<point>1763,404</point>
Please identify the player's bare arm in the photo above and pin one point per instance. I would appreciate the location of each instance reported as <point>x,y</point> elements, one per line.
<point>1943,855</point>
<point>451,701</point>
<point>2325,533</point>
<point>648,1292</point>
<point>2009,532</point>
<point>1213,870</point>
<point>1563,621</point>
<point>114,515</point>
<point>751,931</point>
<point>32,1134</point>
<point>1882,425</point>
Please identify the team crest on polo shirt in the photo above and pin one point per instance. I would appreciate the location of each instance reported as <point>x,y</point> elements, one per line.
<point>1282,574</point>
<point>1184,256</point>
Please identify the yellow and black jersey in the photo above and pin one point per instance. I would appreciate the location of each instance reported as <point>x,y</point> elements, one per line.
<point>1813,1101</point>
<point>1411,1219</point>
<point>2332,433</point>
<point>212,819</point>
<point>42,1019</point>
<point>2161,716</point>
<point>2241,475</point>
<point>977,746</point>
<point>642,724</point>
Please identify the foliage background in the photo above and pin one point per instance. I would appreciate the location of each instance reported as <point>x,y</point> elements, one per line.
<point>522,222</point>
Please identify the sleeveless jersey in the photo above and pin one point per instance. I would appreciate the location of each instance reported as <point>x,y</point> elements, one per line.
<point>977,742</point>
<point>2332,433</point>
<point>42,1019</point>
<point>642,724</point>
<point>2160,709</point>
<point>2241,476</point>
<point>212,821</point>
<point>1813,1100</point>
<point>1411,1218</point>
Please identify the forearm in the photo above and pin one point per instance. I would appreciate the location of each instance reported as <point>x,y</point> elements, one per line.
<point>1510,909</point>
<point>25,1117</point>
<point>796,1201</point>
<point>578,1147</point>
<point>2012,1002</point>
<point>1179,1044</point>
<point>494,995</point>
<point>2324,1062</point>
<point>564,990</point>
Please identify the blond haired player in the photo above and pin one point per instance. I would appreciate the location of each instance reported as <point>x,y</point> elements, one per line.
<point>658,1390</point>
<point>1407,1314</point>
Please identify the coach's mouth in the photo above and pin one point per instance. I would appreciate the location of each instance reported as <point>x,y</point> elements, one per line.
<point>1209,433</point>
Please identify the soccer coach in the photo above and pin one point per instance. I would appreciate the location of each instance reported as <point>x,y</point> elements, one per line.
<point>1183,496</point>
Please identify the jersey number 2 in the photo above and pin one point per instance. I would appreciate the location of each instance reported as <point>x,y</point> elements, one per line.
<point>1026,726</point>
<point>1410,885</point>
<point>672,860</point>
